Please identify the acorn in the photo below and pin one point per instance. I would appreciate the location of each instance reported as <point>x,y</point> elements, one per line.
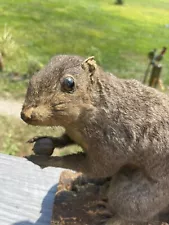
<point>43,146</point>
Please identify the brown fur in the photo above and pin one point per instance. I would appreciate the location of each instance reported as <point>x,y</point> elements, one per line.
<point>121,125</point>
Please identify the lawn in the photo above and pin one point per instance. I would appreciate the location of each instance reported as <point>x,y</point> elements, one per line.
<point>119,36</point>
<point>15,133</point>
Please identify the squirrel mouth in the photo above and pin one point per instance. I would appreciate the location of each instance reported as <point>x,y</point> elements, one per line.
<point>28,116</point>
<point>41,116</point>
<point>31,120</point>
<point>28,120</point>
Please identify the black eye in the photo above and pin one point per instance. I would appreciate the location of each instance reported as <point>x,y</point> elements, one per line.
<point>68,84</point>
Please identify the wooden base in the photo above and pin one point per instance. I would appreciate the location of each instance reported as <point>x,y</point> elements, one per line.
<point>82,201</point>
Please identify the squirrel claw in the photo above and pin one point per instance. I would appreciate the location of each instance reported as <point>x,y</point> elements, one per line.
<point>32,140</point>
<point>36,138</point>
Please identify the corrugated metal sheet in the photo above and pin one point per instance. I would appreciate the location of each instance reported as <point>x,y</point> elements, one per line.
<point>26,192</point>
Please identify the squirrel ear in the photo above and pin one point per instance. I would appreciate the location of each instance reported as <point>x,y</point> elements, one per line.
<point>89,65</point>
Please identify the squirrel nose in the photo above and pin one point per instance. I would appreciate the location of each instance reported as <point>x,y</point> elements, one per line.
<point>26,114</point>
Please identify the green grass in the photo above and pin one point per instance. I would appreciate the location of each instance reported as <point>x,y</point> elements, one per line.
<point>14,134</point>
<point>12,89</point>
<point>119,36</point>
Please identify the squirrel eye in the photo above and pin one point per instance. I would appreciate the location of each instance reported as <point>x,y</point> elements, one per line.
<point>68,84</point>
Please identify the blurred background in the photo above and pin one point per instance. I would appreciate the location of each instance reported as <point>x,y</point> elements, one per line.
<point>121,35</point>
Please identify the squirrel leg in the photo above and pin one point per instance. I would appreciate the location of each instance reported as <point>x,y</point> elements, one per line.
<point>136,198</point>
<point>78,162</point>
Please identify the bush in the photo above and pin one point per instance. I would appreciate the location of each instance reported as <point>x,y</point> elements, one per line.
<point>33,66</point>
<point>119,2</point>
<point>8,45</point>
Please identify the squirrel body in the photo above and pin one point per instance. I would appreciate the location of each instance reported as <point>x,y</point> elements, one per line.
<point>121,125</point>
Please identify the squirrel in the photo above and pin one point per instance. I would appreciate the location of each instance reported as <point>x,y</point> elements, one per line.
<point>121,125</point>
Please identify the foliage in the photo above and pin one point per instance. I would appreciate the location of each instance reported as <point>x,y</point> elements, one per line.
<point>8,46</point>
<point>33,66</point>
<point>119,2</point>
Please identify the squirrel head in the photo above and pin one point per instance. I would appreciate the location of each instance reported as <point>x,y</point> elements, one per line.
<point>60,92</point>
